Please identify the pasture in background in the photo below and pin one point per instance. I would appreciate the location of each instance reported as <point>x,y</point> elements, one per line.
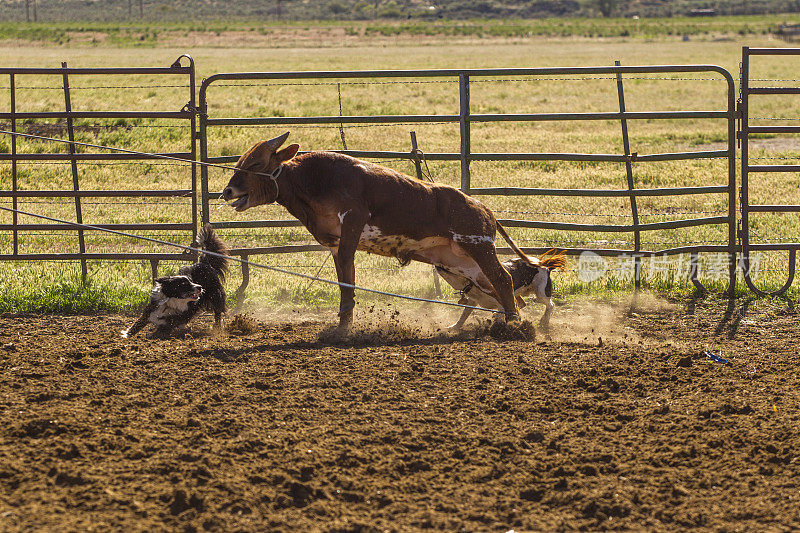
<point>54,286</point>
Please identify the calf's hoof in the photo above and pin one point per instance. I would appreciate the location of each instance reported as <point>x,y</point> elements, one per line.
<point>345,321</point>
<point>345,315</point>
<point>346,308</point>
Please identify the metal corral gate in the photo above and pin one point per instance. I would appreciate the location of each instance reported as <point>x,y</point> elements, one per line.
<point>465,118</point>
<point>15,157</point>
<point>745,132</point>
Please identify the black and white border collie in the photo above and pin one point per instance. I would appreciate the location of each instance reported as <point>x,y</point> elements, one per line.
<point>528,278</point>
<point>175,300</point>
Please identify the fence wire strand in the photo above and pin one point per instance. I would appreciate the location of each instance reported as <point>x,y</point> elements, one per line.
<point>72,88</point>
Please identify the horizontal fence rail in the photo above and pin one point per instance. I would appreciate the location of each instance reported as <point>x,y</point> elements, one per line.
<point>91,157</point>
<point>97,194</point>
<point>477,156</point>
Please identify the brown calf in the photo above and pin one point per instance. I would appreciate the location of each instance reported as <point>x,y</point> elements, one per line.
<point>350,205</point>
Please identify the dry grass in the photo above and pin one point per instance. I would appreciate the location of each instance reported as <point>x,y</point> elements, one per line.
<point>488,96</point>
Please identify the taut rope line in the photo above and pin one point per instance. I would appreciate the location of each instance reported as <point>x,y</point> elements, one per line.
<point>242,261</point>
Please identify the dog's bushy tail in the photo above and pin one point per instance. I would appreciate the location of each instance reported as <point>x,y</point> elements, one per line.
<point>208,240</point>
<point>553,260</point>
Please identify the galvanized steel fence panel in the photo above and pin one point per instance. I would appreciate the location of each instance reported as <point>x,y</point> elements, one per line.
<point>464,118</point>
<point>15,157</point>
<point>200,122</point>
<point>745,132</point>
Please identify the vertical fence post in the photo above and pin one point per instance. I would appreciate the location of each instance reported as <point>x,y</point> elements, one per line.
<point>74,165</point>
<point>744,132</point>
<point>14,165</point>
<point>415,153</point>
<point>418,166</point>
<point>154,268</point>
<point>463,86</point>
<point>203,157</point>
<point>637,243</point>
<point>193,127</point>
<point>732,242</point>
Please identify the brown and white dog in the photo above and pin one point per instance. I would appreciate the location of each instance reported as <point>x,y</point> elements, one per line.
<point>529,278</point>
<point>348,204</point>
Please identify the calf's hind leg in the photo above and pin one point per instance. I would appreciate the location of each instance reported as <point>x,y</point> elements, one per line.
<point>544,322</point>
<point>486,256</point>
<point>464,316</point>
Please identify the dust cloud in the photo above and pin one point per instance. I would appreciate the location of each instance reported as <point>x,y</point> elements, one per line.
<point>578,320</point>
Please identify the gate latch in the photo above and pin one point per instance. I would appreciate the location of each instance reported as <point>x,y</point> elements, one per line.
<point>739,124</point>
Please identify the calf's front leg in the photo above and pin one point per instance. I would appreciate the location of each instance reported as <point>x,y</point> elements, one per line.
<point>344,258</point>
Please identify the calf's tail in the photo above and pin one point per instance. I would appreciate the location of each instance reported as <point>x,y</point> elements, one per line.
<point>513,246</point>
<point>551,259</point>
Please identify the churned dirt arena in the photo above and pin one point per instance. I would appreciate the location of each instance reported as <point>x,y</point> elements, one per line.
<point>617,420</point>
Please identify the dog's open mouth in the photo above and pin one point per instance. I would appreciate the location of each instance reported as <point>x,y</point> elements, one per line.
<point>240,204</point>
<point>194,295</point>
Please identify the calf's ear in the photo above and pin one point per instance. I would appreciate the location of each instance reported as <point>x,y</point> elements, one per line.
<point>287,153</point>
<point>264,152</point>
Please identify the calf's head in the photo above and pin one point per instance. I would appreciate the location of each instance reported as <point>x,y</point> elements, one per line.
<point>255,180</point>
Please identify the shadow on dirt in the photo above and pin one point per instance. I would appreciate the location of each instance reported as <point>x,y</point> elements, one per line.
<point>732,317</point>
<point>736,310</point>
<point>390,335</point>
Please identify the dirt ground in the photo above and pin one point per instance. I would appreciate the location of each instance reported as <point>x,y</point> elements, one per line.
<point>615,421</point>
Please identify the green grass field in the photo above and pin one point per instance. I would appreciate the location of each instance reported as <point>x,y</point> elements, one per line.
<point>191,12</point>
<point>120,286</point>
<point>172,30</point>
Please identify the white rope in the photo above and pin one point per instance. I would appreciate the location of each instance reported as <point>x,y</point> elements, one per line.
<point>242,261</point>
